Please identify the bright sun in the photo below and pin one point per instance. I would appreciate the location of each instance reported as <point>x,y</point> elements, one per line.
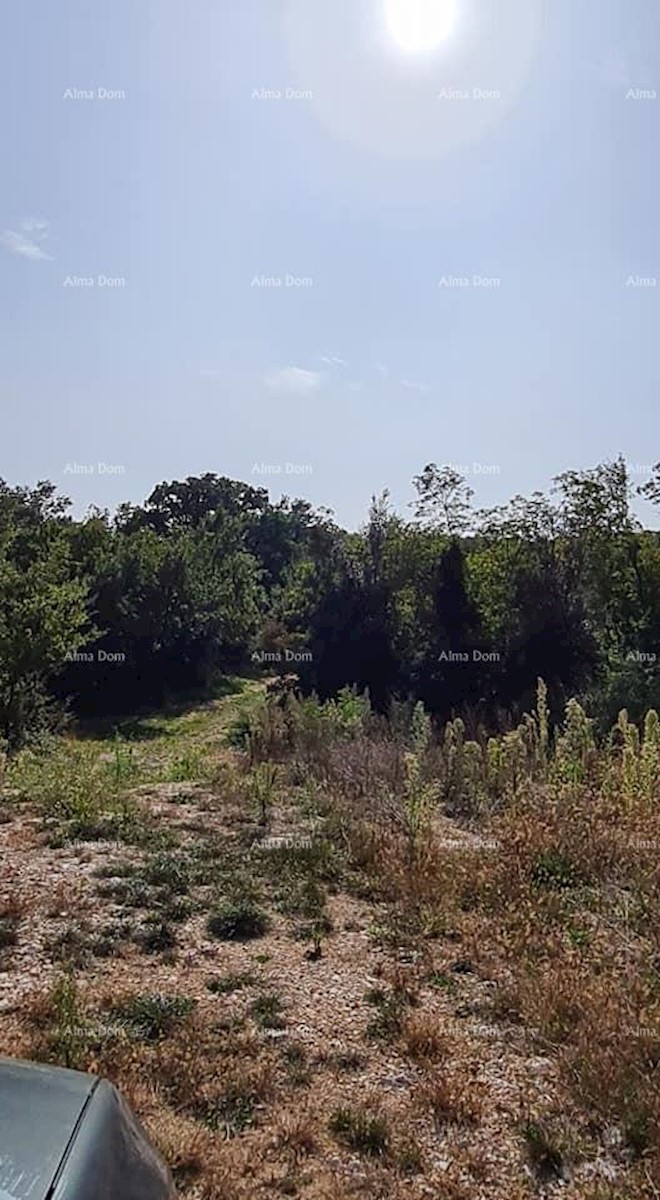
<point>420,25</point>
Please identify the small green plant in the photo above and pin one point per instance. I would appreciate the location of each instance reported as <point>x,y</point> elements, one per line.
<point>362,1129</point>
<point>545,1157</point>
<point>345,1060</point>
<point>232,1112</point>
<point>151,1017</point>
<point>66,1040</point>
<point>261,784</point>
<point>124,765</point>
<point>171,870</point>
<point>443,982</point>
<point>188,766</point>
<point>155,936</point>
<point>543,723</point>
<point>233,982</point>
<point>419,794</point>
<point>574,747</point>
<point>552,869</point>
<point>238,921</point>
<point>267,1011</point>
<point>9,920</point>
<point>387,1024</point>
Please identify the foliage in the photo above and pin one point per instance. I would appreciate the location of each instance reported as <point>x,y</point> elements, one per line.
<point>462,611</point>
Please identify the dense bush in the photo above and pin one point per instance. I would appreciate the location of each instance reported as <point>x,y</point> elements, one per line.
<point>463,611</point>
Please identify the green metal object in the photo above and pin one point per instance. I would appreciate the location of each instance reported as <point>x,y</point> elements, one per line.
<point>65,1135</point>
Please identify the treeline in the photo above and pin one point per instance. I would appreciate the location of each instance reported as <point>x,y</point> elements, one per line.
<point>464,610</point>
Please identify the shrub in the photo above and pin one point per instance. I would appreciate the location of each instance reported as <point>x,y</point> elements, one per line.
<point>363,1129</point>
<point>238,921</point>
<point>152,1016</point>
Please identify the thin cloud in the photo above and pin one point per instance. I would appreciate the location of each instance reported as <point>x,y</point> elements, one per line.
<point>382,369</point>
<point>34,225</point>
<point>412,386</point>
<point>295,380</point>
<point>27,246</point>
<point>333,360</point>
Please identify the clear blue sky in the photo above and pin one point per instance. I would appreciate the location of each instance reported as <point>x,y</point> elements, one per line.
<point>385,176</point>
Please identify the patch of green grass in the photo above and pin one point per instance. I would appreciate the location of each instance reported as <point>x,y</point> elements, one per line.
<point>151,1017</point>
<point>171,870</point>
<point>232,982</point>
<point>238,921</point>
<point>8,930</point>
<point>443,982</point>
<point>131,891</point>
<point>267,1011</point>
<point>578,936</point>
<point>545,1157</point>
<point>345,1060</point>
<point>231,1113</point>
<point>116,870</point>
<point>361,1129</point>
<point>76,944</point>
<point>387,1024</point>
<point>296,1061</point>
<point>187,766</point>
<point>155,936</point>
<point>552,869</point>
<point>63,1036</point>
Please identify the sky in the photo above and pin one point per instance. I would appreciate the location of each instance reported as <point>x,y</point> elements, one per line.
<point>275,240</point>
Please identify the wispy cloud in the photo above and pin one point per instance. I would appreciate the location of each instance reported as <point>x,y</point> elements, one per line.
<point>412,386</point>
<point>26,241</point>
<point>295,380</point>
<point>333,360</point>
<point>383,371</point>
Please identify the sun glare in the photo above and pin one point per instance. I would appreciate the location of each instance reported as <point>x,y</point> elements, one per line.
<point>420,25</point>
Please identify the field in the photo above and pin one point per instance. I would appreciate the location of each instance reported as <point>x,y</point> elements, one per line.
<point>326,955</point>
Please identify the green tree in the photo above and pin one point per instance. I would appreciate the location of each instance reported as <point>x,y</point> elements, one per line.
<point>443,500</point>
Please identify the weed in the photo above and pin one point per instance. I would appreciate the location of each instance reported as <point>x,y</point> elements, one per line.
<point>238,921</point>
<point>153,1016</point>
<point>232,982</point>
<point>545,1157</point>
<point>363,1129</point>
<point>552,869</point>
<point>10,915</point>
<point>267,1011</point>
<point>155,936</point>
<point>60,1017</point>
<point>388,1021</point>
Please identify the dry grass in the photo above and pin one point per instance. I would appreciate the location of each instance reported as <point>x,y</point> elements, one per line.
<point>480,1011</point>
